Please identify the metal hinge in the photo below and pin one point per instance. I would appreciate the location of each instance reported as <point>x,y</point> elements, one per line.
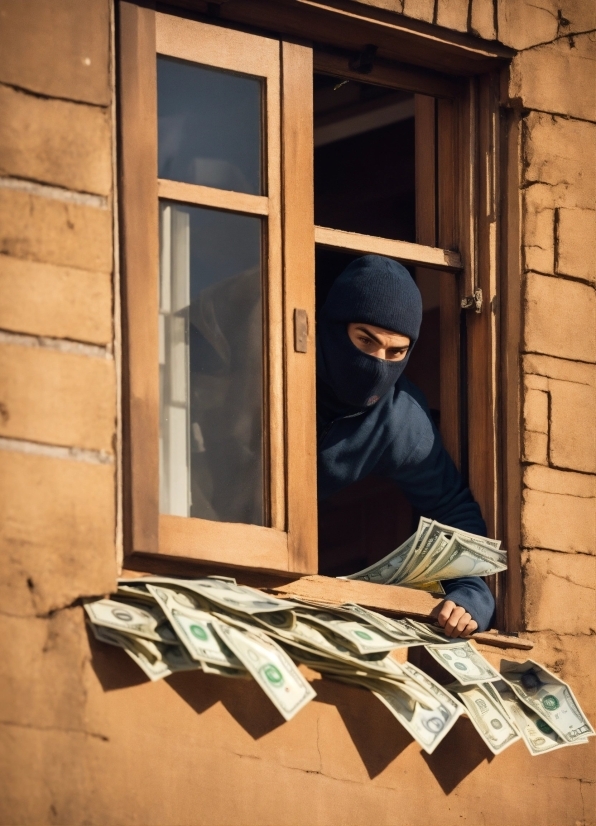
<point>473,301</point>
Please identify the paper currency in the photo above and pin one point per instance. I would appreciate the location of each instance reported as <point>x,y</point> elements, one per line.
<point>193,626</point>
<point>148,622</point>
<point>434,553</point>
<point>270,666</point>
<point>155,659</point>
<point>538,736</point>
<point>549,697</point>
<point>427,726</point>
<point>487,715</point>
<point>462,660</point>
<point>216,626</point>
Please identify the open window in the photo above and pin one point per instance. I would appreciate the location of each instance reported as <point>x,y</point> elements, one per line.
<point>252,171</point>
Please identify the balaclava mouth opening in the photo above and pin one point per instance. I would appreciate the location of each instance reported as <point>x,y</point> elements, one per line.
<point>371,290</point>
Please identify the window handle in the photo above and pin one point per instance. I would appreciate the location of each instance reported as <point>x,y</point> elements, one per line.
<point>300,331</point>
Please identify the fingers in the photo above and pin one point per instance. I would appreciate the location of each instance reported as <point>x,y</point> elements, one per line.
<point>447,606</point>
<point>455,620</point>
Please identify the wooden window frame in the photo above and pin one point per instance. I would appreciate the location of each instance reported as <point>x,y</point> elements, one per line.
<point>462,237</point>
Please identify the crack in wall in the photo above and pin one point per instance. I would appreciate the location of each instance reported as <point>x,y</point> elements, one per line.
<point>63,730</point>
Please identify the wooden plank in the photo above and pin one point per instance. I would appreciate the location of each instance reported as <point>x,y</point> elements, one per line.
<point>209,196</point>
<point>223,543</point>
<point>388,74</point>
<point>448,235</point>
<point>509,609</point>
<point>481,327</point>
<point>394,600</point>
<point>431,257</point>
<point>216,46</point>
<point>138,191</point>
<point>425,169</point>
<point>398,38</point>
<point>299,294</point>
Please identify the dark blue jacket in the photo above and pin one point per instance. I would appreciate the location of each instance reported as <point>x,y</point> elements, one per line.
<point>397,439</point>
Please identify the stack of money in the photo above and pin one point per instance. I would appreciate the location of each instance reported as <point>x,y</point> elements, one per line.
<point>433,553</point>
<point>215,625</point>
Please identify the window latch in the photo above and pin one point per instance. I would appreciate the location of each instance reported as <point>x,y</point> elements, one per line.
<point>473,301</point>
<point>300,331</point>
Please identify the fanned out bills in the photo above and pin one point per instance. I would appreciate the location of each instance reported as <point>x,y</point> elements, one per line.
<point>434,553</point>
<point>169,625</point>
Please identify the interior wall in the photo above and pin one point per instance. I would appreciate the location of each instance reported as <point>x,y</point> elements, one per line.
<point>85,739</point>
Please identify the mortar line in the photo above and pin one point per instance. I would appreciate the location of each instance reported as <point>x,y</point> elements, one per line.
<point>60,345</point>
<point>56,193</point>
<point>79,454</point>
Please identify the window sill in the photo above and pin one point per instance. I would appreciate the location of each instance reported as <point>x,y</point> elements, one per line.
<point>393,600</point>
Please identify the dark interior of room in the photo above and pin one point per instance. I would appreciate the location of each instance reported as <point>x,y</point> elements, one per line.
<point>364,182</point>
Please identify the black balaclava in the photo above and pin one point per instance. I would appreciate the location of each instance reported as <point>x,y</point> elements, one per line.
<point>372,290</point>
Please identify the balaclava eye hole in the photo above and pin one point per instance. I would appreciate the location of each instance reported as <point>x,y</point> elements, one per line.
<point>372,290</point>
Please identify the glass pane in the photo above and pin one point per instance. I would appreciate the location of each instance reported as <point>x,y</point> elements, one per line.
<point>211,365</point>
<point>364,158</point>
<point>209,126</point>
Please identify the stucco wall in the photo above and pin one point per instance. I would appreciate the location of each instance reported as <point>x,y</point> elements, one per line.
<point>84,739</point>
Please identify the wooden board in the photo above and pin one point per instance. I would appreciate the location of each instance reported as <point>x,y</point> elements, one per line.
<point>299,295</point>
<point>431,257</point>
<point>139,239</point>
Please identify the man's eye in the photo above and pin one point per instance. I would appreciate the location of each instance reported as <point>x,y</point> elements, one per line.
<point>365,340</point>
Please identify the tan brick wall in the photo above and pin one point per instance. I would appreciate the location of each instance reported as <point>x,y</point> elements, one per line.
<point>84,738</point>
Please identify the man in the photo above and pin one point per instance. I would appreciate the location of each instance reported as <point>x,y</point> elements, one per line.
<point>371,419</point>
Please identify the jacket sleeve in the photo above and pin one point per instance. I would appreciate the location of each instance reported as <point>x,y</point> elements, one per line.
<point>432,484</point>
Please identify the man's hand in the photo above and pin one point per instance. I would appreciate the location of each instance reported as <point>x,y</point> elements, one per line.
<point>455,620</point>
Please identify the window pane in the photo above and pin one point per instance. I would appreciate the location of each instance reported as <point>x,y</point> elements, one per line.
<point>209,125</point>
<point>364,158</point>
<point>211,365</point>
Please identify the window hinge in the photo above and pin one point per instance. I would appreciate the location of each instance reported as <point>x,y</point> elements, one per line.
<point>473,301</point>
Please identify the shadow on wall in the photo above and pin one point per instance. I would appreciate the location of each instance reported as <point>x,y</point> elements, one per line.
<point>377,736</point>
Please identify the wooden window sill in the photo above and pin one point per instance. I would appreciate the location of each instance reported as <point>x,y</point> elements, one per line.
<point>393,600</point>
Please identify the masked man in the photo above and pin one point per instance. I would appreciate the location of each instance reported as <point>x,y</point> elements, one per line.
<point>371,419</point>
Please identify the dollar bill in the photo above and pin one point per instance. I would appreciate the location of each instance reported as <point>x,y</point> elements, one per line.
<point>537,735</point>
<point>383,570</point>
<point>487,715</point>
<point>156,660</point>
<point>462,558</point>
<point>427,726</point>
<point>462,660</point>
<point>425,557</point>
<point>222,591</point>
<point>271,667</point>
<point>360,636</point>
<point>549,697</point>
<point>391,628</point>
<point>141,621</point>
<point>194,626</point>
<point>436,552</point>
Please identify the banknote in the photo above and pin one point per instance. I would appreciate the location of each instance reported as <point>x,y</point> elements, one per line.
<point>427,726</point>
<point>436,552</point>
<point>462,660</point>
<point>383,570</point>
<point>362,637</point>
<point>193,626</point>
<point>536,733</point>
<point>147,621</point>
<point>223,591</point>
<point>155,659</point>
<point>549,697</point>
<point>487,715</point>
<point>462,558</point>
<point>271,667</point>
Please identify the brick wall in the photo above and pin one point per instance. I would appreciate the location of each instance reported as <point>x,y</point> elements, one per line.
<point>85,740</point>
